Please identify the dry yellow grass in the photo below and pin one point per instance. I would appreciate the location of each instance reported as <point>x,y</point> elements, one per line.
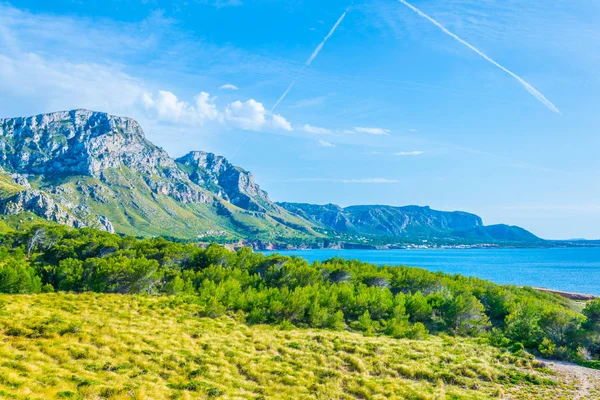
<point>95,346</point>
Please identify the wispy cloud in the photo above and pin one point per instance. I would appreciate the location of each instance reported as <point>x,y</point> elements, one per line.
<point>227,3</point>
<point>408,153</point>
<point>312,58</point>
<point>323,143</point>
<point>357,181</point>
<point>372,131</point>
<point>533,91</point>
<point>371,180</point>
<point>509,161</point>
<point>315,53</point>
<point>316,130</point>
<point>553,208</point>
<point>312,102</point>
<point>229,86</point>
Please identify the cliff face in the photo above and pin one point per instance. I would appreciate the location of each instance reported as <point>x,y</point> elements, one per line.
<point>229,182</point>
<point>80,142</point>
<point>86,168</point>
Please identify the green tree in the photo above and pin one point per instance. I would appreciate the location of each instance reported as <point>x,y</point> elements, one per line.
<point>17,277</point>
<point>522,325</point>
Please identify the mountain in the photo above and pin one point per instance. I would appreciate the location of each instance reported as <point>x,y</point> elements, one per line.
<point>229,182</point>
<point>90,169</point>
<point>85,168</point>
<point>410,222</point>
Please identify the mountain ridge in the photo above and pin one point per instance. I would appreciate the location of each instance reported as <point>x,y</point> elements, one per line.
<point>86,168</point>
<point>406,222</point>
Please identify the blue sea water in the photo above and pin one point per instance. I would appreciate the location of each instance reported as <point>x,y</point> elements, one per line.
<point>567,269</point>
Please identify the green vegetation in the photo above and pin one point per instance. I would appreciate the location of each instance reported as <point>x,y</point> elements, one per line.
<point>471,333</point>
<point>7,186</point>
<point>337,294</point>
<point>103,346</point>
<point>128,201</point>
<point>21,222</point>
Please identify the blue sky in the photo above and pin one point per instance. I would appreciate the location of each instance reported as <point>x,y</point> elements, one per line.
<point>392,110</point>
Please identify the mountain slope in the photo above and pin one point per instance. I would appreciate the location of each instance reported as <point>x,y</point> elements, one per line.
<point>90,169</point>
<point>84,168</point>
<point>410,222</point>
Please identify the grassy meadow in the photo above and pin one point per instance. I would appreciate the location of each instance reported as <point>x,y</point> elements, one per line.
<point>108,346</point>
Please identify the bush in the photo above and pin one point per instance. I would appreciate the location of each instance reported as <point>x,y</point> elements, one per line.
<point>17,277</point>
<point>336,294</point>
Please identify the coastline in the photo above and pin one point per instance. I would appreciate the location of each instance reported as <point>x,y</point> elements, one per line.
<point>542,269</point>
<point>261,245</point>
<point>568,295</point>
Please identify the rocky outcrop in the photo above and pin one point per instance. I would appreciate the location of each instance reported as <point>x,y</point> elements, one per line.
<point>105,224</point>
<point>86,143</point>
<point>40,204</point>
<point>229,182</point>
<point>44,206</point>
<point>179,191</point>
<point>21,180</point>
<point>78,142</point>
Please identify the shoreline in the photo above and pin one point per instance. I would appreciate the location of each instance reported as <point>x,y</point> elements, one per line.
<point>568,295</point>
<point>572,292</point>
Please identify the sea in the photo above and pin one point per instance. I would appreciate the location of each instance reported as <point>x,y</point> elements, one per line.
<point>566,269</point>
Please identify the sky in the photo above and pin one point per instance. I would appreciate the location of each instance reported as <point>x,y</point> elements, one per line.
<point>490,107</point>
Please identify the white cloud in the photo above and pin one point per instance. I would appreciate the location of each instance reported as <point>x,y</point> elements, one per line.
<point>280,122</point>
<point>229,86</point>
<point>252,115</point>
<point>168,108</point>
<point>23,76</point>
<point>408,153</point>
<point>206,107</point>
<point>372,131</point>
<point>316,130</point>
<point>323,143</point>
<point>33,80</point>
<point>249,115</point>
<point>33,83</point>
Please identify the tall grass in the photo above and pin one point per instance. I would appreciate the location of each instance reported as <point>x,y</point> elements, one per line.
<point>91,346</point>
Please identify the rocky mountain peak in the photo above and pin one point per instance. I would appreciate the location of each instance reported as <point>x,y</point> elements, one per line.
<point>79,142</point>
<point>231,183</point>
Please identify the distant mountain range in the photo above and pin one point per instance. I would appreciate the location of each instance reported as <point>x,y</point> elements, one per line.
<point>90,169</point>
<point>408,223</point>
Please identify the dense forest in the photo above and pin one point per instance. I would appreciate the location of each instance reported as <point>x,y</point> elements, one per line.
<point>337,294</point>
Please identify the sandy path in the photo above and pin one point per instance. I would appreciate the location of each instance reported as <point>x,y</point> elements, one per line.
<point>589,379</point>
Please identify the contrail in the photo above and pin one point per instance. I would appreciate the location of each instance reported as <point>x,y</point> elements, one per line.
<point>312,57</point>
<point>533,91</point>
